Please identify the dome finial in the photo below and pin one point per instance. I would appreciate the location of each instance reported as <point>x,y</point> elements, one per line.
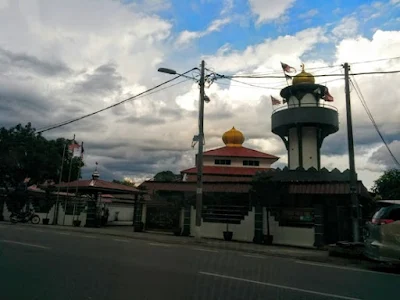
<point>303,77</point>
<point>233,138</point>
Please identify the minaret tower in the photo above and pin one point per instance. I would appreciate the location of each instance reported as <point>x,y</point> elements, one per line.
<point>304,121</point>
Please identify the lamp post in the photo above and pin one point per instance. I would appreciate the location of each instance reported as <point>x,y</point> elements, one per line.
<point>199,163</point>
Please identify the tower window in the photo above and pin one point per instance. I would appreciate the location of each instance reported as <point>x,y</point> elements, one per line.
<point>254,163</point>
<point>222,161</point>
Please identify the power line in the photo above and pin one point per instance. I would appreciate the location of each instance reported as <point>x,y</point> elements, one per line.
<point>327,66</point>
<point>364,104</point>
<point>147,92</point>
<point>321,75</point>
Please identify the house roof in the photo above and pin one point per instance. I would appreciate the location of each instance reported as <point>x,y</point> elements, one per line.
<point>99,186</point>
<point>239,152</point>
<point>224,170</point>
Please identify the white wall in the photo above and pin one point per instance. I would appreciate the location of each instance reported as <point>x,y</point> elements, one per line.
<point>293,236</point>
<point>293,101</point>
<point>241,232</point>
<point>293,149</point>
<point>125,212</point>
<point>309,100</point>
<point>310,152</point>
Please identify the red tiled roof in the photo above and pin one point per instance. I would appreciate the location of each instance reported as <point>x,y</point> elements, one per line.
<point>100,185</point>
<point>183,186</point>
<point>239,152</point>
<point>218,170</point>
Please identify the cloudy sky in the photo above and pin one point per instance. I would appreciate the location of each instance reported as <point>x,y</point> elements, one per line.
<point>63,59</point>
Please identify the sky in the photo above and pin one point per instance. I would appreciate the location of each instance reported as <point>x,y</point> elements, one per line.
<point>63,59</point>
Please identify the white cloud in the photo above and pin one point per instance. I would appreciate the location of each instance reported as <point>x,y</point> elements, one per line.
<point>269,10</point>
<point>268,53</point>
<point>309,14</point>
<point>82,57</point>
<point>186,36</point>
<point>348,27</point>
<point>227,6</point>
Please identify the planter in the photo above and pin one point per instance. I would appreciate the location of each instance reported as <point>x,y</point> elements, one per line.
<point>268,239</point>
<point>76,223</point>
<point>138,227</point>
<point>177,231</point>
<point>46,221</point>
<point>228,235</point>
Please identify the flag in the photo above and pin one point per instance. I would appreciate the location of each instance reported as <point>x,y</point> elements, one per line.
<point>275,101</point>
<point>327,96</point>
<point>82,150</point>
<point>287,68</point>
<point>74,145</point>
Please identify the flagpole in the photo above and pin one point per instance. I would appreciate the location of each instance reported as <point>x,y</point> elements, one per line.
<point>69,179</point>
<point>55,216</point>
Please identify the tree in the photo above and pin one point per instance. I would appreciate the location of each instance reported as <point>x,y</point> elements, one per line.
<point>25,154</point>
<point>167,176</point>
<point>388,185</point>
<point>124,182</point>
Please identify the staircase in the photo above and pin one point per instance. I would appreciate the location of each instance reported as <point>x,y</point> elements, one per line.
<point>227,214</point>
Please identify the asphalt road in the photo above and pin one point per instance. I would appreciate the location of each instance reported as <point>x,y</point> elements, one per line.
<point>43,264</point>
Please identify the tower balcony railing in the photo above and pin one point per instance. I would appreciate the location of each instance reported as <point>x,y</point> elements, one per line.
<point>313,105</point>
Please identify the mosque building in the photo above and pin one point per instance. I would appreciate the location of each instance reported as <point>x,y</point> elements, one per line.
<point>313,207</point>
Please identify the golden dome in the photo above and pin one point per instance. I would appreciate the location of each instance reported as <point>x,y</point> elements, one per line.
<point>303,77</point>
<point>233,138</point>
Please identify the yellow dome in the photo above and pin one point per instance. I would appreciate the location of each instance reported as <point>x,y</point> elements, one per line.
<point>303,77</point>
<point>233,138</point>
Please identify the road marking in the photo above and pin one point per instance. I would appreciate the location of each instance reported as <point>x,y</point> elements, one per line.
<point>121,240</point>
<point>279,286</point>
<point>38,230</point>
<point>254,256</point>
<point>62,233</point>
<point>88,236</point>
<point>342,268</point>
<point>25,244</point>
<point>205,250</point>
<point>159,244</point>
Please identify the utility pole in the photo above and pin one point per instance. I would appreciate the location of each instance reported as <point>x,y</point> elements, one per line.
<point>199,190</point>
<point>353,174</point>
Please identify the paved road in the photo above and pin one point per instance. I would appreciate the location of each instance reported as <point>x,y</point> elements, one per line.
<point>42,264</point>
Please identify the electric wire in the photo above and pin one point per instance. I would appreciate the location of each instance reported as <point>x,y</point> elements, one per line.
<point>142,94</point>
<point>364,104</point>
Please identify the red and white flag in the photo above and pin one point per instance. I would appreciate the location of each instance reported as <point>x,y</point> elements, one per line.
<point>327,96</point>
<point>275,101</point>
<point>288,69</point>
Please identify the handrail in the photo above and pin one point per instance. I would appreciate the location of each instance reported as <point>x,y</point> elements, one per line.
<point>290,106</point>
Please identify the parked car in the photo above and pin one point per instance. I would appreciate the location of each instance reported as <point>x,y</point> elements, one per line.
<point>382,236</point>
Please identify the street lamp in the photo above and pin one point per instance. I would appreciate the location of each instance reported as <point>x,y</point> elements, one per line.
<point>199,164</point>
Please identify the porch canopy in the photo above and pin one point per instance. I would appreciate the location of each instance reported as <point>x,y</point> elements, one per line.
<point>94,186</point>
<point>296,187</point>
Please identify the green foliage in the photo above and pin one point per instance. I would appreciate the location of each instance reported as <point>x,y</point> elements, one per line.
<point>388,185</point>
<point>124,182</point>
<point>25,154</point>
<point>166,176</point>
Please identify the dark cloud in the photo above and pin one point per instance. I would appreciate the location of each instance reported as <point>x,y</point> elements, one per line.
<point>104,79</point>
<point>383,157</point>
<point>144,120</point>
<point>25,61</point>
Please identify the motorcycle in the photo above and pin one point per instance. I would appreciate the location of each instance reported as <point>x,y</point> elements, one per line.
<point>25,217</point>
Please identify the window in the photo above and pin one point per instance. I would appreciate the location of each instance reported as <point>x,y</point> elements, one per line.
<point>255,163</point>
<point>222,161</point>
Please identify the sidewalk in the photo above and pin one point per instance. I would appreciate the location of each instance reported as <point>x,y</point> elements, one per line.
<point>314,255</point>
